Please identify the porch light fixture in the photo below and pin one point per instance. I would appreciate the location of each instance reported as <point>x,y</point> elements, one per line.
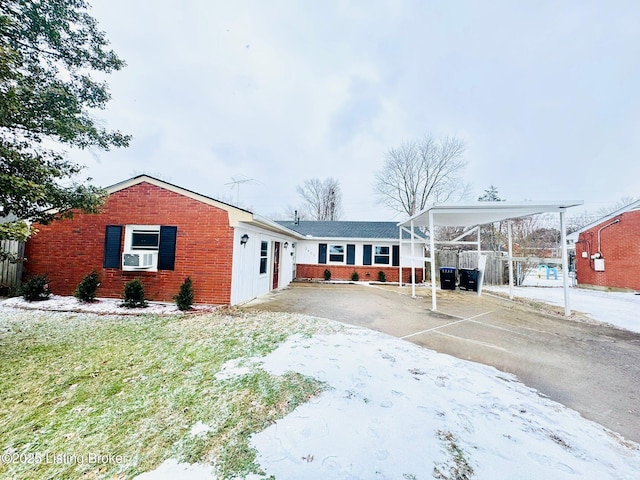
<point>244,239</point>
<point>286,244</point>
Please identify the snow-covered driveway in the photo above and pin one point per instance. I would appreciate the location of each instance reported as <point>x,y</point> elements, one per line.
<point>588,366</point>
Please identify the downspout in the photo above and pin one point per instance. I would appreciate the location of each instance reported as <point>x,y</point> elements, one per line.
<point>617,220</point>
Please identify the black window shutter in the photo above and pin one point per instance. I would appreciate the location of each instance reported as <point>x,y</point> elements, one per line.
<point>322,253</point>
<point>396,256</point>
<point>167,248</point>
<point>351,254</point>
<point>112,246</point>
<point>366,258</point>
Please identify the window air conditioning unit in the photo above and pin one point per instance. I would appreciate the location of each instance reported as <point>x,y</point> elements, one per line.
<point>138,261</point>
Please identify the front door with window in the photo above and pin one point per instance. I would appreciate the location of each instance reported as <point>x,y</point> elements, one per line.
<point>276,265</point>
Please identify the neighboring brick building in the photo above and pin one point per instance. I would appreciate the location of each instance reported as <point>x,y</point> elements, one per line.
<point>608,251</point>
<point>345,247</point>
<point>161,234</point>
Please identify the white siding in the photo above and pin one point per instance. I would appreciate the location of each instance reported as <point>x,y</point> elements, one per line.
<point>247,283</point>
<point>307,251</point>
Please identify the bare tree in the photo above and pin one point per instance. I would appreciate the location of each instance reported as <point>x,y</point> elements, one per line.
<point>323,199</point>
<point>421,172</point>
<point>576,222</point>
<point>623,202</point>
<point>534,237</point>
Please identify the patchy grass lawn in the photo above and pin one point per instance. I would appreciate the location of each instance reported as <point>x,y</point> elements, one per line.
<point>111,397</point>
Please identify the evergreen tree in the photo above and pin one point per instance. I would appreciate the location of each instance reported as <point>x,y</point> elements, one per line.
<point>48,51</point>
<point>490,235</point>
<point>490,195</point>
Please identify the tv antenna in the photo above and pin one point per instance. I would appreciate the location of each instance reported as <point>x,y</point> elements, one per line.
<point>236,183</point>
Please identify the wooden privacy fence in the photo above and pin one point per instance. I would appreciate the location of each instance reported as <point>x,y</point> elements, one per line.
<point>496,270</point>
<point>10,272</point>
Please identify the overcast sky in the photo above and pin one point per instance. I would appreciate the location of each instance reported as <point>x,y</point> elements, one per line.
<point>544,94</point>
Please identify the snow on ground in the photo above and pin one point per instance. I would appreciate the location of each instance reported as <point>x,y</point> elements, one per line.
<point>621,309</point>
<point>102,306</point>
<point>396,410</point>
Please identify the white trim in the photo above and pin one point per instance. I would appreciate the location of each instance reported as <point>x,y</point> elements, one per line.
<point>236,215</point>
<point>143,253</point>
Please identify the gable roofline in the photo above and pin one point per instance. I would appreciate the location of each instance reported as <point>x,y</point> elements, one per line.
<point>237,215</point>
<point>137,180</point>
<point>573,237</point>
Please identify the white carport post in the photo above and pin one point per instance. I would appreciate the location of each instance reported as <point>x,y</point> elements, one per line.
<point>510,253</point>
<point>432,255</point>
<point>565,263</point>
<point>413,264</point>
<point>400,255</point>
<point>479,245</point>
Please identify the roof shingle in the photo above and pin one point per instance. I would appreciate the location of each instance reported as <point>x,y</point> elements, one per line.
<point>344,229</point>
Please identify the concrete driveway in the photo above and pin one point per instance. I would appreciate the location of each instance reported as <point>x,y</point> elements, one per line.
<point>592,368</point>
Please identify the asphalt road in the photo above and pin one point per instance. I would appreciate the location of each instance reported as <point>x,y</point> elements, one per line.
<point>592,368</point>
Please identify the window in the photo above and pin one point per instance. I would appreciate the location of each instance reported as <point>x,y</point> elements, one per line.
<point>145,247</point>
<point>144,240</point>
<point>141,245</point>
<point>264,257</point>
<point>381,255</point>
<point>336,253</point>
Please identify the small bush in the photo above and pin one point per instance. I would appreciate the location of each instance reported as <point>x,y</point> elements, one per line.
<point>382,277</point>
<point>327,275</point>
<point>86,289</point>
<point>355,277</point>
<point>134,295</point>
<point>184,298</point>
<point>36,288</point>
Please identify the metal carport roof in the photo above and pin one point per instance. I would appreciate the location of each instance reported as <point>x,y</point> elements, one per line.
<point>481,213</point>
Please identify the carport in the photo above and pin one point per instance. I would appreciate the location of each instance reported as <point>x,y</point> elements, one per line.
<point>471,217</point>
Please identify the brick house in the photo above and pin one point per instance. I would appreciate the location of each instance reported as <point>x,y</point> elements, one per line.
<point>344,247</point>
<point>608,251</point>
<point>160,233</point>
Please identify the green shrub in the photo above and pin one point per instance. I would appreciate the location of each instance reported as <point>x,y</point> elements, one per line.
<point>134,295</point>
<point>184,298</point>
<point>36,288</point>
<point>327,275</point>
<point>382,277</point>
<point>355,277</point>
<point>86,289</point>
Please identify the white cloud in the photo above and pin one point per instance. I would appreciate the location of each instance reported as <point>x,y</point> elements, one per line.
<point>544,94</point>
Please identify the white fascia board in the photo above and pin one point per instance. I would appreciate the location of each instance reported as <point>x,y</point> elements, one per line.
<point>349,239</point>
<point>272,226</point>
<point>236,214</point>
<point>481,213</point>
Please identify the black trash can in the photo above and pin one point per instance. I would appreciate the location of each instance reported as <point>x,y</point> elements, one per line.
<point>469,278</point>
<point>447,278</point>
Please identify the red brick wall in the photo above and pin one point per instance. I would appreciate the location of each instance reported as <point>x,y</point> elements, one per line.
<point>67,250</point>
<point>344,272</point>
<point>620,248</point>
